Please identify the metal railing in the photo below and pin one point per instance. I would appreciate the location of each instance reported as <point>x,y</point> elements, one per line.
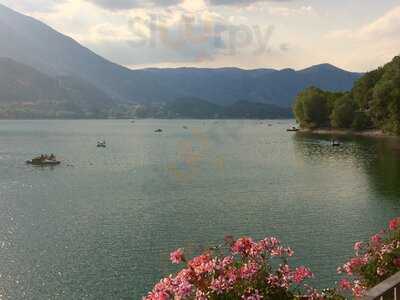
<point>386,290</point>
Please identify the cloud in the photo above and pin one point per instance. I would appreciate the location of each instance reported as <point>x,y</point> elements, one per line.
<point>33,6</point>
<point>386,26</point>
<point>372,44</point>
<point>130,4</point>
<point>282,11</point>
<point>242,2</point>
<point>174,36</point>
<point>167,37</point>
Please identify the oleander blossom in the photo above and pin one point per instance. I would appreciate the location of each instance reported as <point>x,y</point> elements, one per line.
<point>301,274</point>
<point>243,271</point>
<point>374,261</point>
<point>177,256</point>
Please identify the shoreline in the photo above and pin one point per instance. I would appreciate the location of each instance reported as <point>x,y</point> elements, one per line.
<point>375,133</point>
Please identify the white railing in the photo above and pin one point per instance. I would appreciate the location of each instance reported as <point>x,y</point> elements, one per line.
<point>386,290</point>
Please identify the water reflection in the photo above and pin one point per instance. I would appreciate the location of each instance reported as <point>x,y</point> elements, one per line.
<point>378,159</point>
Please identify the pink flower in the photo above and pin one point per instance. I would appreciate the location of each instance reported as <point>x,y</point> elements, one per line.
<point>249,270</point>
<point>376,240</point>
<point>202,264</point>
<point>184,289</point>
<point>157,296</point>
<point>358,289</point>
<point>177,256</point>
<point>227,261</point>
<point>354,264</point>
<point>301,273</point>
<point>252,295</point>
<point>242,246</point>
<point>345,284</point>
<point>200,295</point>
<point>232,276</point>
<point>357,247</point>
<point>220,285</point>
<point>393,224</point>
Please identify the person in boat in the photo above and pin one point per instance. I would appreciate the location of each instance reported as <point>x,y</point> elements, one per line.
<point>52,157</point>
<point>37,159</point>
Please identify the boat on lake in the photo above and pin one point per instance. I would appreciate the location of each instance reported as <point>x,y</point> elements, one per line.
<point>292,129</point>
<point>44,160</point>
<point>101,144</point>
<point>158,130</point>
<point>335,143</point>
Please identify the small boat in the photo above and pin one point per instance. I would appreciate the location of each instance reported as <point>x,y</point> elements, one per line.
<point>101,144</point>
<point>158,130</point>
<point>292,129</point>
<point>185,127</point>
<point>44,160</point>
<point>335,143</point>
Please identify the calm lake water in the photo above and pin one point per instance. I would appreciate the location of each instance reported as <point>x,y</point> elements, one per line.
<point>101,225</point>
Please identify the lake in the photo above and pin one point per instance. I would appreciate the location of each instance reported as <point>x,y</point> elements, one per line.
<point>102,224</point>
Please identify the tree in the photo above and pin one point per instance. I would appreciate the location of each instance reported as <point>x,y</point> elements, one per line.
<point>385,104</point>
<point>364,88</point>
<point>361,121</point>
<point>311,109</point>
<point>343,112</point>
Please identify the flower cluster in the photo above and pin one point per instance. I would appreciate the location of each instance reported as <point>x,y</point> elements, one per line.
<point>374,261</point>
<point>243,272</point>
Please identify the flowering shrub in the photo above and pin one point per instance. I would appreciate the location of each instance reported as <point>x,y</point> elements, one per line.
<point>374,261</point>
<point>244,271</point>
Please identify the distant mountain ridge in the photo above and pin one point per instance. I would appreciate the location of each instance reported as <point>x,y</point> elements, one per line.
<point>26,92</point>
<point>200,109</point>
<point>34,44</point>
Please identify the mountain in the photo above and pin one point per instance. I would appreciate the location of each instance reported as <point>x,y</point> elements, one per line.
<point>33,43</point>
<point>227,86</point>
<point>196,108</point>
<point>27,92</point>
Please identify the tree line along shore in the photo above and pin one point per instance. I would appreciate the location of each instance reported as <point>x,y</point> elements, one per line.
<point>371,107</point>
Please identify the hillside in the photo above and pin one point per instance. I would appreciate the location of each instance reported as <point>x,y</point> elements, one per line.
<point>35,44</point>
<point>26,92</point>
<point>373,103</point>
<point>201,109</point>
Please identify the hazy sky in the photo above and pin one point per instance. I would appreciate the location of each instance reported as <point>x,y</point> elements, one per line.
<point>356,35</point>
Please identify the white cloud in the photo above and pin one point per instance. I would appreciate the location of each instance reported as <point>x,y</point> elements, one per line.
<point>382,28</point>
<point>130,4</point>
<point>386,26</point>
<point>33,6</point>
<point>284,11</point>
<point>370,45</point>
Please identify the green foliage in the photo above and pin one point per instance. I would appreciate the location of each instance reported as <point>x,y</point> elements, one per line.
<point>361,121</point>
<point>343,112</point>
<point>374,102</point>
<point>385,103</point>
<point>311,108</point>
<point>363,89</point>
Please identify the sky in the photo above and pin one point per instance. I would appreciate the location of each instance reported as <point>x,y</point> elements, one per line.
<point>356,35</point>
